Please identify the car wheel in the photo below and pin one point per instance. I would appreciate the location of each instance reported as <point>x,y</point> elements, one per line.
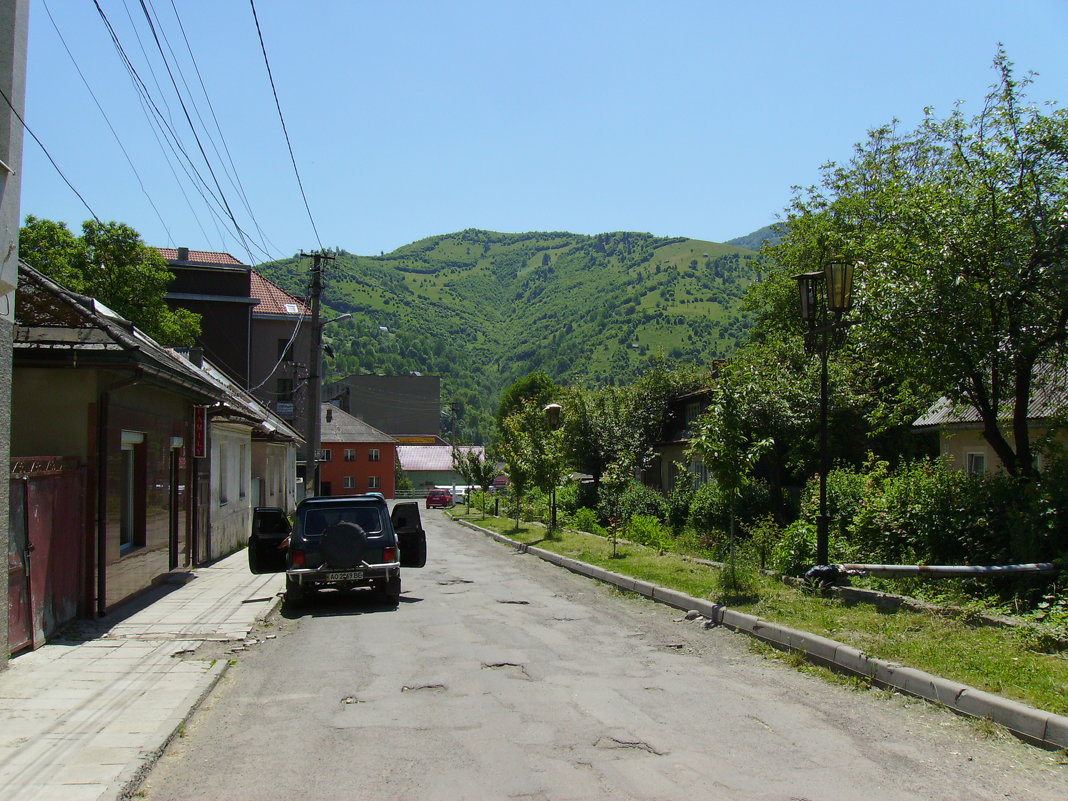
<point>391,590</point>
<point>295,592</point>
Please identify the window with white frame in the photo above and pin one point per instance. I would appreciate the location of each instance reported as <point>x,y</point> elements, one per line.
<point>975,463</point>
<point>376,456</point>
<point>325,455</point>
<point>349,482</point>
<point>350,454</point>
<point>373,482</point>
<point>243,470</point>
<point>224,473</point>
<point>133,490</point>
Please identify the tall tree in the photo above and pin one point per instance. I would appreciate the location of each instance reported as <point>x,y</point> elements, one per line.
<point>536,388</point>
<point>110,263</point>
<point>960,229</point>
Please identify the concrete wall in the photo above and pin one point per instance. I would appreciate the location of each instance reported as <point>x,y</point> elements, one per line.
<point>231,487</point>
<point>274,468</point>
<point>955,445</point>
<point>394,404</point>
<point>62,398</point>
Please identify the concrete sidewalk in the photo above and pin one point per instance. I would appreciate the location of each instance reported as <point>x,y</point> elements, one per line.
<point>88,713</point>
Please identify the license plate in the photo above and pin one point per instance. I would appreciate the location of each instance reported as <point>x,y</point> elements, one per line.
<point>351,575</point>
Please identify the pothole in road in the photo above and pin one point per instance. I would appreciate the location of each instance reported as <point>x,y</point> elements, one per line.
<point>423,688</point>
<point>510,601</point>
<point>511,668</point>
<point>351,699</point>
<point>447,582</point>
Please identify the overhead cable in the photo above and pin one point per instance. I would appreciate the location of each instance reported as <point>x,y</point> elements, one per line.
<point>281,118</point>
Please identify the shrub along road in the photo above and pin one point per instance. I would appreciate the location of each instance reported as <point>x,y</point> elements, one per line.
<point>500,676</point>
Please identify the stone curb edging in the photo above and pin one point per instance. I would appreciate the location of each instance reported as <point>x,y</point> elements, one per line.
<point>1034,726</point>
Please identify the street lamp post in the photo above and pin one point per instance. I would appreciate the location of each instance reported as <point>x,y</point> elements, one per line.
<point>552,417</point>
<point>826,295</point>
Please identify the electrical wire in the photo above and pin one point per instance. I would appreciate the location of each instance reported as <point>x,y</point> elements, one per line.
<point>161,121</point>
<point>44,149</point>
<point>281,118</point>
<point>236,179</point>
<point>103,114</point>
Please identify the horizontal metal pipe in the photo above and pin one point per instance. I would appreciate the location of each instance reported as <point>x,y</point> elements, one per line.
<point>953,570</point>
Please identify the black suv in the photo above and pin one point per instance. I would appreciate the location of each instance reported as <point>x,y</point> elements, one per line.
<point>338,542</point>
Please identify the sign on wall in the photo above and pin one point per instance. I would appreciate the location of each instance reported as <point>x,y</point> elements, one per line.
<point>200,432</point>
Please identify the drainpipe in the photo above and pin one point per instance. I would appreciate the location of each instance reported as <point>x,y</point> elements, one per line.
<point>102,414</point>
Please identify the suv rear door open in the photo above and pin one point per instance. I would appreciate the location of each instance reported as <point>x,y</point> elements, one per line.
<point>411,539</point>
<point>270,527</point>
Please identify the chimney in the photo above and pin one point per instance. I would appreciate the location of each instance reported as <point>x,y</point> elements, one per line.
<point>329,414</point>
<point>183,254</point>
<point>196,356</point>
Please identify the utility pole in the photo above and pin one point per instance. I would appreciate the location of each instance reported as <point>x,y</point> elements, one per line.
<point>314,385</point>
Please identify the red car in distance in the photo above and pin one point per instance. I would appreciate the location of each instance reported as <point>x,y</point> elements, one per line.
<point>438,498</point>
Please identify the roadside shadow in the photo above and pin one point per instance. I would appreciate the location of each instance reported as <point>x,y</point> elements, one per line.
<point>342,603</point>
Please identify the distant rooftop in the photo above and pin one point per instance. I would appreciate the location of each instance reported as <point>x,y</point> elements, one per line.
<point>201,257</point>
<point>273,299</point>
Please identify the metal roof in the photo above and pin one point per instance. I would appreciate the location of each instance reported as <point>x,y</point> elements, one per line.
<point>1049,396</point>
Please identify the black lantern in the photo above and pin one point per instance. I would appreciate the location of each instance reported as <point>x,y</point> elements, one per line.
<point>810,287</point>
<point>839,277</point>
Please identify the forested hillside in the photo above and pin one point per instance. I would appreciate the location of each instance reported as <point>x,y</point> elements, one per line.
<point>481,309</point>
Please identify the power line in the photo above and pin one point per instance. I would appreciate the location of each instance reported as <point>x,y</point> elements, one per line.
<point>44,149</point>
<point>103,114</point>
<point>281,118</point>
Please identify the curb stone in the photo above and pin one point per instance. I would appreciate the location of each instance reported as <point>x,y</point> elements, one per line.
<point>1044,729</point>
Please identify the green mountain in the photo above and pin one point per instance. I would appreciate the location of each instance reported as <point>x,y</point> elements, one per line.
<point>771,234</point>
<point>481,309</point>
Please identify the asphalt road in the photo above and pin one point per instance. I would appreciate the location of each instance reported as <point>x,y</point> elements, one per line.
<point>502,677</point>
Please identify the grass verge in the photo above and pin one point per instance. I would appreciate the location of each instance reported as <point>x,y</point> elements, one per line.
<point>997,660</point>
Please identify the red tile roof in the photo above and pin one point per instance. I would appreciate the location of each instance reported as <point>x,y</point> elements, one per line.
<point>273,299</point>
<point>202,257</point>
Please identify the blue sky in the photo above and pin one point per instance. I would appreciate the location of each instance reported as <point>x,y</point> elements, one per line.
<point>410,119</point>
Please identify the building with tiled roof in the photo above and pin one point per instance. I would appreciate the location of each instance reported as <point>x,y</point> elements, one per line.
<point>431,465</point>
<point>201,257</point>
<point>357,457</point>
<point>278,355</point>
<point>273,300</point>
<point>217,287</point>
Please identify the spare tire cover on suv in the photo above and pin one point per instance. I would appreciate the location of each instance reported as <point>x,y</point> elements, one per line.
<point>343,544</point>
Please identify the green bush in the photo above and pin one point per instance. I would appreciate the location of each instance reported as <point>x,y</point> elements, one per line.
<point>710,506</point>
<point>573,495</point>
<point>678,505</point>
<point>584,519</point>
<point>634,499</point>
<point>647,530</point>
<point>761,539</point>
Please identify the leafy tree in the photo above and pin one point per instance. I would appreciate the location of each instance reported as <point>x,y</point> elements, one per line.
<point>110,263</point>
<point>483,472</point>
<point>960,228</point>
<point>728,452</point>
<point>535,446</point>
<point>535,388</point>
